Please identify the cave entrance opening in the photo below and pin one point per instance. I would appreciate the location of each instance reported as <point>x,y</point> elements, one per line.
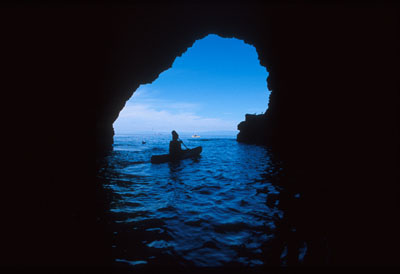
<point>205,94</point>
<point>208,90</point>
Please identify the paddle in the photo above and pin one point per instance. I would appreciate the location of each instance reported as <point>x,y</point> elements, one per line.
<point>183,144</point>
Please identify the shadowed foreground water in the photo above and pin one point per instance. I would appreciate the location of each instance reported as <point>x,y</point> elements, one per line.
<point>219,210</point>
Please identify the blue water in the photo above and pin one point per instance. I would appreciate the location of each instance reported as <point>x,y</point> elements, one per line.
<point>210,211</point>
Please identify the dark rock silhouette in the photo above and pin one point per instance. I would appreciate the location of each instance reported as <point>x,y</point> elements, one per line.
<point>250,129</point>
<point>332,117</point>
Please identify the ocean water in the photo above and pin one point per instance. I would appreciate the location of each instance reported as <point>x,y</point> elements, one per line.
<point>217,210</point>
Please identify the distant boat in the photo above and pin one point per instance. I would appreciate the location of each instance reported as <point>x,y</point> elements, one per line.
<point>143,142</point>
<point>195,136</point>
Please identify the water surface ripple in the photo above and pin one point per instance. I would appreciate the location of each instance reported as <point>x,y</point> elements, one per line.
<point>210,211</point>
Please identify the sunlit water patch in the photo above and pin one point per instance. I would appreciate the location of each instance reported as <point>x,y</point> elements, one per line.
<point>210,211</point>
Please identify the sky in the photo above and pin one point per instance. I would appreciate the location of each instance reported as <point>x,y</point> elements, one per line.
<point>209,88</point>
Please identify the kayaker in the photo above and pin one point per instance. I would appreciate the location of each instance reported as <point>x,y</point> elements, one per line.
<point>175,144</point>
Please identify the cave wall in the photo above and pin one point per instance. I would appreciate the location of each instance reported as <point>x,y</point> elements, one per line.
<point>332,114</point>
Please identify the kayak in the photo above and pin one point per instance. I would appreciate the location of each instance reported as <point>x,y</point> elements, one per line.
<point>158,159</point>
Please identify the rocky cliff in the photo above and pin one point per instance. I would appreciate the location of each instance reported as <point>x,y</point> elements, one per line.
<point>332,114</point>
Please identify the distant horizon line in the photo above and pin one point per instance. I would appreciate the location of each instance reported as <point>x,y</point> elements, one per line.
<point>179,132</point>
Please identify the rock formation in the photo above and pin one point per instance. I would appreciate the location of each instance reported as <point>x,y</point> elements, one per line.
<point>251,129</point>
<point>332,114</point>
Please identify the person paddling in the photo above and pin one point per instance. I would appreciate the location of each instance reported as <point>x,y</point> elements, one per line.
<point>175,145</point>
<point>176,152</point>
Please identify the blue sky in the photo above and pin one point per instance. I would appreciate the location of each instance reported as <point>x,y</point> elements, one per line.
<point>209,88</point>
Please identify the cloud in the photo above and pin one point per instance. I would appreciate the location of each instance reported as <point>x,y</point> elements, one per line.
<point>146,95</point>
<point>145,117</point>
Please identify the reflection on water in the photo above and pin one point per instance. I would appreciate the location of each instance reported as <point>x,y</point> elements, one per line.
<point>219,210</point>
